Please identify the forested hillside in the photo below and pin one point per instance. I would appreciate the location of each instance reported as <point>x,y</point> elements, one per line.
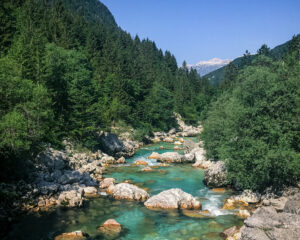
<point>254,123</point>
<point>68,71</point>
<point>216,77</point>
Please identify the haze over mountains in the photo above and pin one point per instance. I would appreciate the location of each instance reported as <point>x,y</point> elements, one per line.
<point>205,67</point>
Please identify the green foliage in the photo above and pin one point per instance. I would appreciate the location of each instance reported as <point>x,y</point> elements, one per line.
<point>26,117</point>
<point>68,71</point>
<point>217,77</point>
<point>255,126</point>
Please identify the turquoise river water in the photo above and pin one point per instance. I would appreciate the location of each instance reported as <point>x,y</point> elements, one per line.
<point>138,222</point>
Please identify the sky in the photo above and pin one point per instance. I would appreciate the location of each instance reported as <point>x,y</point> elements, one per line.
<point>195,30</point>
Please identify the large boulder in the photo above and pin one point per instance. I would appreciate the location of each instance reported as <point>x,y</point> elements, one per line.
<point>215,175</point>
<point>113,146</point>
<point>277,203</point>
<point>170,157</point>
<point>267,223</point>
<point>172,199</point>
<point>292,206</point>
<point>52,160</point>
<point>200,159</point>
<point>189,145</point>
<point>128,192</point>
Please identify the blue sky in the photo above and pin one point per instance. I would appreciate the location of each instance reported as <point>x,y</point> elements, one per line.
<point>195,30</point>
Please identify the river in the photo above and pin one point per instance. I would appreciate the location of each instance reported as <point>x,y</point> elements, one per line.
<point>138,222</point>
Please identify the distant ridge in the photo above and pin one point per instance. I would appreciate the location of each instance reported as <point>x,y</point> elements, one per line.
<point>216,76</point>
<point>205,67</point>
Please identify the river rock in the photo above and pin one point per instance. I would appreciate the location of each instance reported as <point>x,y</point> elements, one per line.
<point>232,233</point>
<point>110,228</point>
<point>267,223</point>
<point>292,206</point>
<point>147,169</point>
<point>215,175</point>
<point>156,140</point>
<point>127,191</point>
<point>52,159</point>
<point>108,160</point>
<point>243,213</point>
<point>154,155</point>
<point>187,131</point>
<point>70,177</point>
<point>170,157</point>
<point>106,182</point>
<point>188,158</point>
<point>189,145</point>
<point>177,143</point>
<point>277,203</point>
<point>77,235</point>
<point>248,196</point>
<point>140,162</point>
<point>70,198</point>
<point>113,146</point>
<point>90,192</point>
<point>168,140</point>
<point>47,188</point>
<point>196,213</point>
<point>121,160</point>
<point>172,199</point>
<point>200,159</point>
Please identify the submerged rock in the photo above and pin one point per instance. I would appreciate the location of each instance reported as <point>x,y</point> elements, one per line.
<point>140,162</point>
<point>77,235</point>
<point>147,169</point>
<point>128,192</point>
<point>168,140</point>
<point>177,143</point>
<point>215,175</point>
<point>197,214</point>
<point>110,228</point>
<point>172,199</point>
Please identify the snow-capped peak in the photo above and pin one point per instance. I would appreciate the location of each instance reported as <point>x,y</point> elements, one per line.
<point>205,67</point>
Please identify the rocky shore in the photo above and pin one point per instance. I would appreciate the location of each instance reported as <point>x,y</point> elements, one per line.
<point>67,178</point>
<point>271,215</point>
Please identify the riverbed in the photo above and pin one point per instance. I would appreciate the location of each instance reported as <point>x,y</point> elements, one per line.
<point>139,222</point>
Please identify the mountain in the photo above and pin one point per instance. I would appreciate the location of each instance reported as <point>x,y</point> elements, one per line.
<point>216,76</point>
<point>205,67</point>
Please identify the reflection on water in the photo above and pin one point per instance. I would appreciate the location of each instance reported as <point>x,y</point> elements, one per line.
<point>138,222</point>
